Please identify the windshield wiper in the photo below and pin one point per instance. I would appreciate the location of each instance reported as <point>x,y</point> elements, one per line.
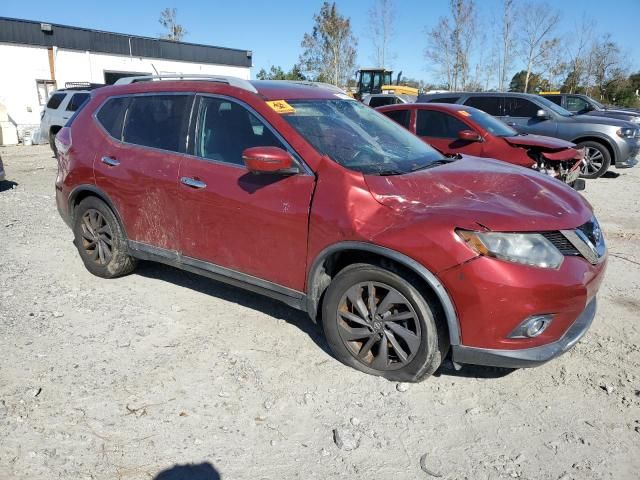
<point>435,163</point>
<point>386,173</point>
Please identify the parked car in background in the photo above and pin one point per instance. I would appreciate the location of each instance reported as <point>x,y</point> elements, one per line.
<point>298,192</point>
<point>380,99</point>
<point>607,141</point>
<point>585,105</point>
<point>454,129</point>
<point>61,105</point>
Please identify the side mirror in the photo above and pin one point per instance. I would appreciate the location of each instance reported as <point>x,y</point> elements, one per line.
<point>542,114</point>
<point>469,136</point>
<point>268,160</point>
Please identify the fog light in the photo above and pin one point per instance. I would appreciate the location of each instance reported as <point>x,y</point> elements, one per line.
<point>532,326</point>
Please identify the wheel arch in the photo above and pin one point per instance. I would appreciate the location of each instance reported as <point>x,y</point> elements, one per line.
<point>334,258</point>
<point>613,151</point>
<point>81,192</point>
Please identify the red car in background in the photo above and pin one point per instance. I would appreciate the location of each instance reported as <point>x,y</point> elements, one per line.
<point>458,129</point>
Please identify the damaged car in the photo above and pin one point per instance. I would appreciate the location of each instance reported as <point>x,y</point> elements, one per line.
<point>458,129</point>
<point>295,191</point>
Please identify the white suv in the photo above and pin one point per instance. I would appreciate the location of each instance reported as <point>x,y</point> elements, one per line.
<point>62,104</point>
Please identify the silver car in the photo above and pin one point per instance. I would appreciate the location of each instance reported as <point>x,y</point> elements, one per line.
<point>61,105</point>
<point>607,141</point>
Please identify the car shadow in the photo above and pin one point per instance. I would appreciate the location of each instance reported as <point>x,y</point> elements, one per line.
<point>610,174</point>
<point>200,471</point>
<point>245,298</point>
<point>471,371</point>
<point>7,185</point>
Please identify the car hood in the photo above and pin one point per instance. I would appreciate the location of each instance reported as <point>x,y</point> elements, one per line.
<point>529,140</point>
<point>602,120</point>
<point>478,191</point>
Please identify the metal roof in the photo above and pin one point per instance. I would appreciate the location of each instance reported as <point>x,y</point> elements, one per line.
<point>29,32</point>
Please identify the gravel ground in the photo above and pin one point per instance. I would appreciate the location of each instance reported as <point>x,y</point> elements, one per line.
<point>137,377</point>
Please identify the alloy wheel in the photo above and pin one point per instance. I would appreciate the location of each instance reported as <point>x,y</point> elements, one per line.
<point>593,160</point>
<point>97,237</point>
<point>379,326</point>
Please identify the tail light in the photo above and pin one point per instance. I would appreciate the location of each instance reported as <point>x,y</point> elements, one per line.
<point>63,140</point>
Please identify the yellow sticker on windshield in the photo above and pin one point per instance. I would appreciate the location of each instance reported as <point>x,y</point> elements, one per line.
<point>280,106</point>
<point>464,113</point>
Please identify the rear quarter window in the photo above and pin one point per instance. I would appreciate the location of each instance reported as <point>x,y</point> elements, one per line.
<point>111,116</point>
<point>76,101</point>
<point>55,100</point>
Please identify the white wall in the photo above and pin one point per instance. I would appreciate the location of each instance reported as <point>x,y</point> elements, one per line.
<point>21,66</point>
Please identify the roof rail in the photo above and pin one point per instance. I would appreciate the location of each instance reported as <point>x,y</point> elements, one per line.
<point>328,86</point>
<point>231,81</point>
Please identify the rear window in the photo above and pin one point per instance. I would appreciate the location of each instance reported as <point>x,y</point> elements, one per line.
<point>490,105</point>
<point>399,116</point>
<point>55,100</point>
<point>76,101</point>
<point>158,121</point>
<point>111,116</point>
<point>380,101</point>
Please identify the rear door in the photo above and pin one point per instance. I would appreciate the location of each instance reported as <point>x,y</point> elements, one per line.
<point>441,129</point>
<point>137,163</point>
<point>252,224</point>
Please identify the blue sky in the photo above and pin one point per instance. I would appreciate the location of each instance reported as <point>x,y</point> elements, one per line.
<point>273,30</point>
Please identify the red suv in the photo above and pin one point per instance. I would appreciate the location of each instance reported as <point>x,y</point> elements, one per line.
<point>454,129</point>
<point>300,193</point>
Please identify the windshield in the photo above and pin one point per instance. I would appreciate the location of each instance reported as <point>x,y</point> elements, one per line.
<point>555,108</point>
<point>489,123</point>
<point>359,138</point>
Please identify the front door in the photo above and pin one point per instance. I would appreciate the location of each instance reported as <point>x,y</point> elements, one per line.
<point>253,224</point>
<point>441,130</point>
<point>520,113</point>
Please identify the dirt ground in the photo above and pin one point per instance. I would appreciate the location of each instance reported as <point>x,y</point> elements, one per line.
<point>137,377</point>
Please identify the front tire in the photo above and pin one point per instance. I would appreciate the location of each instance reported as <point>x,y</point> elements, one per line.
<point>100,240</point>
<point>597,158</point>
<point>376,321</point>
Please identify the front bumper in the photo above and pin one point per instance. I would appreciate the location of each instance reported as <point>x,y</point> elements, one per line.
<point>528,357</point>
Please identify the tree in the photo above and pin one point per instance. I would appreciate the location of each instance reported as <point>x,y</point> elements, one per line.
<point>536,82</point>
<point>538,22</point>
<point>450,43</point>
<point>507,42</point>
<point>168,19</point>
<point>381,18</point>
<point>276,73</point>
<point>329,52</point>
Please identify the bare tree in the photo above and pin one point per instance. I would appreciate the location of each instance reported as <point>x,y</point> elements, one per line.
<point>606,65</point>
<point>381,19</point>
<point>168,19</point>
<point>507,43</point>
<point>538,22</point>
<point>449,43</point>
<point>330,50</point>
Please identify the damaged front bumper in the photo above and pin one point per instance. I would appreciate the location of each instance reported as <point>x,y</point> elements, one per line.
<point>528,357</point>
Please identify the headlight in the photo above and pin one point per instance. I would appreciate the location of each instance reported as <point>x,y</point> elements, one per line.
<point>526,248</point>
<point>628,132</point>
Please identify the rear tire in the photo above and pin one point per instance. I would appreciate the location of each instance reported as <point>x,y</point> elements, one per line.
<point>377,322</point>
<point>100,240</point>
<point>597,157</point>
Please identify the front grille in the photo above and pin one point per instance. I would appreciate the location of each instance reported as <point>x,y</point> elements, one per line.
<point>561,243</point>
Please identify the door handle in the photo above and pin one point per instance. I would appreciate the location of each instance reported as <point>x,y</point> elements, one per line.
<point>112,162</point>
<point>192,182</point>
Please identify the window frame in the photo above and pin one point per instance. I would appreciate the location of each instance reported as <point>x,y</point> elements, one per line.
<point>194,130</point>
<point>448,116</point>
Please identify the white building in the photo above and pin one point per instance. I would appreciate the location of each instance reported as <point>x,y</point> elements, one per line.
<point>37,58</point>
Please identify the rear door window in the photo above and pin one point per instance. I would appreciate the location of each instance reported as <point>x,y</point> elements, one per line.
<point>111,116</point>
<point>520,107</point>
<point>55,100</point>
<point>557,99</point>
<point>490,105</point>
<point>77,100</point>
<point>226,129</point>
<point>430,123</point>
<point>400,116</point>
<point>158,121</point>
